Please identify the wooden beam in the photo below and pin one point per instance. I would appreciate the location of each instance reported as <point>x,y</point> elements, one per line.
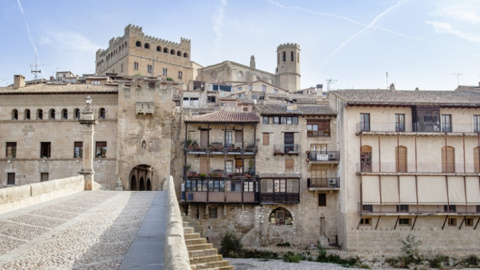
<point>378,220</point>
<point>414,221</point>
<point>396,223</point>
<point>461,224</point>
<point>445,221</point>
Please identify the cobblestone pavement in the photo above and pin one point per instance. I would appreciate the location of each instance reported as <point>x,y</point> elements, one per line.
<point>87,230</point>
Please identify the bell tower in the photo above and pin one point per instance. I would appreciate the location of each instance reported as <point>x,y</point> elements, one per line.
<point>288,66</point>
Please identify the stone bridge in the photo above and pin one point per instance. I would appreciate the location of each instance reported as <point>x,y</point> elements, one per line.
<point>59,225</point>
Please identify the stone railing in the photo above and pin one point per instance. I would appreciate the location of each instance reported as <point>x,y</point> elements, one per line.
<point>19,196</point>
<point>175,252</point>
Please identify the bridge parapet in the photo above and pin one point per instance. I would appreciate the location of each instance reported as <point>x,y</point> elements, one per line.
<point>175,252</point>
<point>19,196</point>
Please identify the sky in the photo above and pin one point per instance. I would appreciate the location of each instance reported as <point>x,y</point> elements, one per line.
<point>368,44</point>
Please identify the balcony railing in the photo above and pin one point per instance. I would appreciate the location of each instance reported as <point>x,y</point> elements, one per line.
<point>280,197</point>
<point>330,182</point>
<point>323,156</point>
<point>222,149</point>
<point>385,167</point>
<point>280,149</point>
<point>416,127</point>
<point>206,190</point>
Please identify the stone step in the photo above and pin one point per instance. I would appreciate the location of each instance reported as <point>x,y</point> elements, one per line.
<point>218,264</point>
<point>187,230</point>
<point>202,253</point>
<point>199,246</point>
<point>195,241</point>
<point>229,267</point>
<point>206,259</point>
<point>191,236</point>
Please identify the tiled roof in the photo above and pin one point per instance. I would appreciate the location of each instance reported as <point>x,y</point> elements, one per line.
<point>397,97</point>
<point>280,175</point>
<point>224,117</point>
<point>59,89</point>
<point>301,110</point>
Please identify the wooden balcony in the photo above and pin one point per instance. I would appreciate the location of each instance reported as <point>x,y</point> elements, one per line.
<point>248,150</point>
<point>220,190</point>
<point>285,149</point>
<point>331,183</point>
<point>320,157</point>
<point>414,128</point>
<point>279,198</point>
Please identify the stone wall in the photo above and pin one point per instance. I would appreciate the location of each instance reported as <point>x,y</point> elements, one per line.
<point>15,197</point>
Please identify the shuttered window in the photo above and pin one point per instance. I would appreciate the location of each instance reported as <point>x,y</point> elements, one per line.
<point>476,159</point>
<point>448,159</point>
<point>266,138</point>
<point>289,164</point>
<point>401,159</point>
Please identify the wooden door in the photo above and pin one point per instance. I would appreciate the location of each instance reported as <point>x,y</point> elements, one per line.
<point>204,165</point>
<point>366,159</point>
<point>238,137</point>
<point>204,138</point>
<point>448,159</point>
<point>289,142</point>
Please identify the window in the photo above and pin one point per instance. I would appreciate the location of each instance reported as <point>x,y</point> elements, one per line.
<point>45,148</point>
<point>10,178</point>
<point>264,88</point>
<point>250,87</point>
<point>15,114</point>
<point>77,149</point>
<point>135,65</point>
<point>450,208</point>
<point>478,208</point>
<point>289,164</point>
<point>266,138</point>
<point>52,114</point>
<point>452,222</point>
<point>98,82</point>
<point>248,186</point>
<point>404,221</point>
<point>366,158</point>
<point>147,46</point>
<point>39,114</point>
<point>364,122</point>
<point>229,167</point>
<point>101,113</point>
<point>401,159</point>
<point>280,216</point>
<point>291,56</point>
<point>149,69</point>
<point>165,71</point>
<point>11,150</point>
<point>469,222</point>
<point>448,159</point>
<point>476,159</point>
<point>446,123</point>
<point>138,44</point>
<point>159,49</point>
<point>180,75</point>
<point>121,68</point>
<point>239,89</point>
<point>366,221</point>
<point>26,114</point>
<point>289,143</point>
<point>318,128</point>
<point>43,177</point>
<point>101,150</point>
<point>284,56</point>
<point>212,212</point>
<point>228,138</point>
<point>399,122</point>
<point>211,99</point>
<point>265,120</point>
<point>275,91</point>
<point>367,208</point>
<point>322,199</point>
<point>402,208</point>
<point>64,114</point>
<point>151,85</point>
<point>476,123</point>
<point>76,113</point>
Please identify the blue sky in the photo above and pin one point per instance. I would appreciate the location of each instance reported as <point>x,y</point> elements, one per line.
<point>420,43</point>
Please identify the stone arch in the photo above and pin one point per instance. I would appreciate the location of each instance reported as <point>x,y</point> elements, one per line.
<point>179,53</point>
<point>51,114</point>
<point>26,114</point>
<point>159,49</point>
<point>185,55</point>
<point>64,114</point>
<point>101,113</point>
<point>14,114</point>
<point>133,183</point>
<point>143,175</point>
<point>76,113</point>
<point>141,185</point>
<point>149,184</point>
<point>147,46</point>
<point>172,51</point>
<point>138,44</point>
<point>280,216</point>
<point>165,50</point>
<point>39,114</point>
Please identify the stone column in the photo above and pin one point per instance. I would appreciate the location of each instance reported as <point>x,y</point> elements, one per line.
<point>88,122</point>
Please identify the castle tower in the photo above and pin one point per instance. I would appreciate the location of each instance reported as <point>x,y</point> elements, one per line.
<point>288,66</point>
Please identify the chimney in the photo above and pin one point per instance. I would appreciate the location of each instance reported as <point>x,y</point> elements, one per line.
<point>292,107</point>
<point>18,81</point>
<point>392,87</point>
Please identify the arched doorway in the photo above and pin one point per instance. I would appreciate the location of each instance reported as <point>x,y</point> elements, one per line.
<point>142,184</point>
<point>144,174</point>
<point>149,184</point>
<point>133,183</point>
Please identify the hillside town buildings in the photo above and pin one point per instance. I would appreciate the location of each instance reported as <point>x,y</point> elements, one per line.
<point>253,153</point>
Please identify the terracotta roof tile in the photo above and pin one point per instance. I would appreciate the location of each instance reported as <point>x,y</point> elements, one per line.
<point>277,109</point>
<point>224,117</point>
<point>400,97</point>
<point>59,89</point>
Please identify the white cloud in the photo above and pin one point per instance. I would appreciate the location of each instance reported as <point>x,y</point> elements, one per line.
<point>218,21</point>
<point>70,41</point>
<point>446,28</point>
<point>460,13</point>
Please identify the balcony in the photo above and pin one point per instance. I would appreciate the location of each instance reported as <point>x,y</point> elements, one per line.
<point>331,183</point>
<point>285,149</point>
<point>221,149</point>
<point>280,197</point>
<point>323,156</point>
<point>419,168</point>
<point>416,127</point>
<point>220,190</point>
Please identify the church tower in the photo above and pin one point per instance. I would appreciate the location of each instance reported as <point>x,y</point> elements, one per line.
<point>288,66</point>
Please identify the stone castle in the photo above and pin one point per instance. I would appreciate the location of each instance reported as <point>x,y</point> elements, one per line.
<point>251,152</point>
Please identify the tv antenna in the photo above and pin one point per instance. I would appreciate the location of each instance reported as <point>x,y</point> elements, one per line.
<point>458,77</point>
<point>329,82</point>
<point>36,70</point>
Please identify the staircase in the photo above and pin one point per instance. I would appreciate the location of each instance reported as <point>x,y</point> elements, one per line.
<point>202,254</point>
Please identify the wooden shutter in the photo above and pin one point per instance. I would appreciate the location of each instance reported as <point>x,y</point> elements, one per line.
<point>238,137</point>
<point>289,164</point>
<point>401,158</point>
<point>204,138</point>
<point>266,138</point>
<point>476,159</point>
<point>204,165</point>
<point>448,159</point>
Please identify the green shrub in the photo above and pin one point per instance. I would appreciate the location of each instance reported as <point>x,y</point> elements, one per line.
<point>438,261</point>
<point>287,244</point>
<point>291,257</point>
<point>404,261</point>
<point>392,261</point>
<point>231,246</point>
<point>411,247</point>
<point>471,260</point>
<point>259,254</point>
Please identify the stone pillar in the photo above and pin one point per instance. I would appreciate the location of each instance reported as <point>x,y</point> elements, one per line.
<point>88,122</point>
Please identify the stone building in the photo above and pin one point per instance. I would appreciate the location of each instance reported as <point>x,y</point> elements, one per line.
<point>410,165</point>
<point>138,54</point>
